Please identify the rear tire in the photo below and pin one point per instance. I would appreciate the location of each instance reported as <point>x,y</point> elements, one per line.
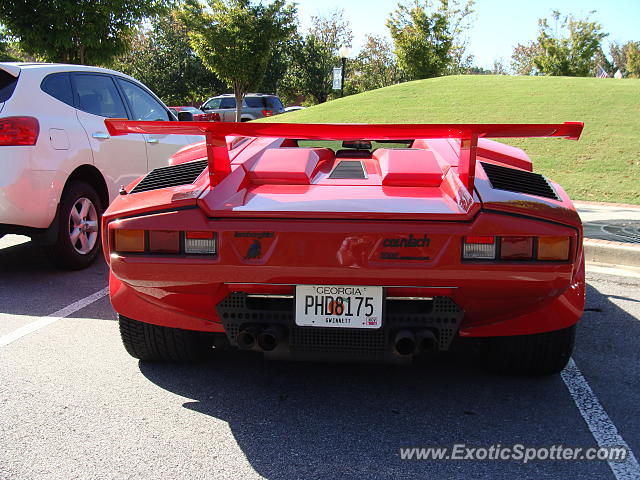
<point>539,354</point>
<point>155,343</point>
<point>78,242</point>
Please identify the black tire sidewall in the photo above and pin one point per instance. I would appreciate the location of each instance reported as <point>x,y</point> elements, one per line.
<point>63,254</point>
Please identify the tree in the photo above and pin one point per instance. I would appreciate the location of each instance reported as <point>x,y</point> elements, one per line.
<point>313,57</point>
<point>522,58</point>
<point>81,31</point>
<point>428,41</point>
<point>374,67</point>
<point>626,58</point>
<point>572,47</point>
<point>162,58</point>
<point>235,39</point>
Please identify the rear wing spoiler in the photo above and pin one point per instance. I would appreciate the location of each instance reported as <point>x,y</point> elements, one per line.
<point>220,165</point>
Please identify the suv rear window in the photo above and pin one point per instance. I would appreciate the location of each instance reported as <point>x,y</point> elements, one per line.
<point>274,102</point>
<point>254,102</point>
<point>58,85</point>
<point>7,85</point>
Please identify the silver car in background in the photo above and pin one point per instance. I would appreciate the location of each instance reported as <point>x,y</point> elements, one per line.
<point>254,105</point>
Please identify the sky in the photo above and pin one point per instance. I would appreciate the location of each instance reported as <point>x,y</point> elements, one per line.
<point>498,27</point>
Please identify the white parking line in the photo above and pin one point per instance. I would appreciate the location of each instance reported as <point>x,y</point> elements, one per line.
<point>601,426</point>
<point>54,317</point>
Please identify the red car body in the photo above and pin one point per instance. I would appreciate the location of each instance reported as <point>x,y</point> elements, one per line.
<point>199,117</point>
<point>464,239</point>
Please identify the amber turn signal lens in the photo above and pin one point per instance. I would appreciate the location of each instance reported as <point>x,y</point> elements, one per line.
<point>129,240</point>
<point>516,248</point>
<point>553,248</point>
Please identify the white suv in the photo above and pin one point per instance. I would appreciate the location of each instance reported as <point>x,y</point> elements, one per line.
<point>59,168</point>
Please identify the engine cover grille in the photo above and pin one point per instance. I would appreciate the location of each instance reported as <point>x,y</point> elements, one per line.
<point>174,175</point>
<point>520,181</point>
<point>349,169</point>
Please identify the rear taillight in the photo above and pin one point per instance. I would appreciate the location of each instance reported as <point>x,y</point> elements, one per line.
<point>267,113</point>
<point>479,248</point>
<point>200,243</point>
<point>161,241</point>
<point>215,117</point>
<point>520,248</point>
<point>19,131</point>
<point>129,241</point>
<point>164,242</point>
<point>553,248</point>
<point>516,248</point>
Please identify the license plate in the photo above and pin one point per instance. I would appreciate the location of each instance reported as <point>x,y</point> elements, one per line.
<point>343,306</point>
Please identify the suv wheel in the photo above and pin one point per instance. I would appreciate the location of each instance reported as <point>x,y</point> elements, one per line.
<point>78,241</point>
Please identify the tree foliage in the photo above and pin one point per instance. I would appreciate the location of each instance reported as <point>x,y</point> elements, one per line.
<point>570,47</point>
<point>162,58</point>
<point>429,40</point>
<point>626,58</point>
<point>236,38</point>
<point>311,59</point>
<point>522,58</point>
<point>76,31</point>
<point>374,67</point>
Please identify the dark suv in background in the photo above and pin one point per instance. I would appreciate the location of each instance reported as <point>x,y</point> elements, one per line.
<point>254,105</point>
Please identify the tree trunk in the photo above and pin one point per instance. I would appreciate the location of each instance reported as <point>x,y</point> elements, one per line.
<point>239,93</point>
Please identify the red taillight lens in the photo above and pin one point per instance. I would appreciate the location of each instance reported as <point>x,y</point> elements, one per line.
<point>267,113</point>
<point>479,248</point>
<point>516,248</point>
<point>215,117</point>
<point>19,130</point>
<point>164,241</point>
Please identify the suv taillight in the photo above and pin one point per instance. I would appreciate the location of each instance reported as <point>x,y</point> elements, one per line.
<point>267,113</point>
<point>19,130</point>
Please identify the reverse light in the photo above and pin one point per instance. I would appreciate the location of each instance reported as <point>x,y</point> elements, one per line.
<point>161,241</point>
<point>479,248</point>
<point>516,248</point>
<point>19,131</point>
<point>201,243</point>
<point>129,240</point>
<point>553,248</point>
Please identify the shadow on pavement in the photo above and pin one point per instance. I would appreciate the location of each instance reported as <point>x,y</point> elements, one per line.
<point>307,420</point>
<point>31,286</point>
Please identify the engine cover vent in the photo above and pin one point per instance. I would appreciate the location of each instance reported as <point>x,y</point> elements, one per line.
<point>171,176</point>
<point>520,181</point>
<point>349,169</point>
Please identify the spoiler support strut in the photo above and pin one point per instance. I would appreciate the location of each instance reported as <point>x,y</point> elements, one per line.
<point>216,134</point>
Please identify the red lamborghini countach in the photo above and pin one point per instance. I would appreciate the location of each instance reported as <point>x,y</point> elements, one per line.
<point>347,242</point>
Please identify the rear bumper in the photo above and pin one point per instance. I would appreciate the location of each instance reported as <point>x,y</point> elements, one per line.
<point>514,298</point>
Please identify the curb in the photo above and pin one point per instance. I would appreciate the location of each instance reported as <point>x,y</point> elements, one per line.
<point>612,253</point>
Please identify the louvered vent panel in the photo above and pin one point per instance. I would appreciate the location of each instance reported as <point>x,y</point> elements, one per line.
<point>504,178</point>
<point>348,169</point>
<point>163,177</point>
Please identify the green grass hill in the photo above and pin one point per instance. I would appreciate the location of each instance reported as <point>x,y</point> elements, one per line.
<point>604,165</point>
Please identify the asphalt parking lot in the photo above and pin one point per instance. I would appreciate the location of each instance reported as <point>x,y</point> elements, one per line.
<point>73,404</point>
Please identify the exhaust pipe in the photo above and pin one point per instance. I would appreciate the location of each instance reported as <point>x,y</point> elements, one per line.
<point>247,337</point>
<point>269,338</point>
<point>426,341</point>
<point>404,342</point>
